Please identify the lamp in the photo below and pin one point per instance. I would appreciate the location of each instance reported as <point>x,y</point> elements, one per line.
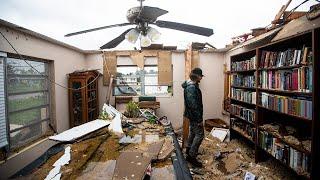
<point>132,36</point>
<point>145,41</point>
<point>153,34</point>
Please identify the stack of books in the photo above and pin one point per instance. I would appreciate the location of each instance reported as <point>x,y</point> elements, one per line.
<point>297,160</point>
<point>297,106</point>
<point>243,81</point>
<point>242,95</point>
<point>298,79</point>
<point>243,113</point>
<point>244,65</point>
<point>290,57</point>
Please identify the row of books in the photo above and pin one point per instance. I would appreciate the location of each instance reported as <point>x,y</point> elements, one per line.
<point>290,57</point>
<point>298,106</point>
<point>242,95</point>
<point>298,79</point>
<point>245,129</point>
<point>243,112</point>
<point>297,160</point>
<point>244,65</point>
<point>243,81</point>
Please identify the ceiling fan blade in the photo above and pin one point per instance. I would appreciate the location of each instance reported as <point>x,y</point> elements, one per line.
<point>116,41</point>
<point>185,27</point>
<point>96,29</point>
<point>150,14</point>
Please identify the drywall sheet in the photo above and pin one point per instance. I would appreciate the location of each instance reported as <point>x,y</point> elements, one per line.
<point>79,131</point>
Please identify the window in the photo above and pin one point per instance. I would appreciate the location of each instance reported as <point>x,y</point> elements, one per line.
<point>28,100</point>
<point>133,81</point>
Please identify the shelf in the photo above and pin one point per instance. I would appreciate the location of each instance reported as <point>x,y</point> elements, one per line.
<point>92,100</point>
<point>286,92</point>
<point>283,141</point>
<point>242,119</point>
<point>243,135</point>
<point>243,71</point>
<point>294,116</point>
<point>286,165</point>
<point>242,87</point>
<point>242,102</point>
<point>282,68</point>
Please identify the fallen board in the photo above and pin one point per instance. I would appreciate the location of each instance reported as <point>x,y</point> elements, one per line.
<point>79,131</point>
<point>131,165</point>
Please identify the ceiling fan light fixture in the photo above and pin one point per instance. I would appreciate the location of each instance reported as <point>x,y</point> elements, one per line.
<point>132,36</point>
<point>145,41</point>
<point>153,34</point>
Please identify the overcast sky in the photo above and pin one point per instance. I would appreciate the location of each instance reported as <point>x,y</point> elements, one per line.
<point>227,18</point>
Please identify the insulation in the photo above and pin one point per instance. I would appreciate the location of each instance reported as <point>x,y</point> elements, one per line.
<point>109,66</point>
<point>164,68</point>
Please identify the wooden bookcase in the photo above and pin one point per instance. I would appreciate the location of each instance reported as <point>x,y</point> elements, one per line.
<point>83,103</point>
<point>306,127</point>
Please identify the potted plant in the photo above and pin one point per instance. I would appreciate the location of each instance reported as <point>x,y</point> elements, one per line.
<point>132,110</point>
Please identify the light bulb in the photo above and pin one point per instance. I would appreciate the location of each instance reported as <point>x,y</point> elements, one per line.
<point>153,34</point>
<point>132,36</point>
<point>145,41</point>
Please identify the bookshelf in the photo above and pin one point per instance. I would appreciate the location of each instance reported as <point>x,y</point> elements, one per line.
<point>285,99</point>
<point>243,96</point>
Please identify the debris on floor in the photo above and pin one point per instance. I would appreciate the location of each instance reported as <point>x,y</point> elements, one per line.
<point>232,160</point>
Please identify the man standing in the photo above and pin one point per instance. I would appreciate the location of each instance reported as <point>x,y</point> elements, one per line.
<point>194,112</point>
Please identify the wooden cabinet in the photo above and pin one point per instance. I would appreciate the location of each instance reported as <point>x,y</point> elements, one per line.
<point>83,97</point>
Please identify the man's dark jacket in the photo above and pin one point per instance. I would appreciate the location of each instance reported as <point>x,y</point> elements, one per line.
<point>193,102</point>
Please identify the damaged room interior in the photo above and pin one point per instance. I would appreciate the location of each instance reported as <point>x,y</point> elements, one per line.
<point>160,90</point>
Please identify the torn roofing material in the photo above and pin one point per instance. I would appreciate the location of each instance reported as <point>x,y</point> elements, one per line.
<point>79,131</point>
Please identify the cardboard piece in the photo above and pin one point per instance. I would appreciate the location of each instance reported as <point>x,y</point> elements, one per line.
<point>164,68</point>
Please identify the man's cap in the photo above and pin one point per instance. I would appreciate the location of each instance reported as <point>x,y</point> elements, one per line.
<point>197,71</point>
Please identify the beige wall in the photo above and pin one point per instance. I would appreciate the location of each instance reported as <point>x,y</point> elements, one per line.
<point>65,61</point>
<point>172,107</point>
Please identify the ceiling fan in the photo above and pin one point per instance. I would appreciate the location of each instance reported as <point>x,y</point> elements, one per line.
<point>142,17</point>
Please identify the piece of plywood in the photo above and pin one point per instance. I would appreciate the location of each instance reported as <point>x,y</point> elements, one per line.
<point>137,58</point>
<point>188,64</point>
<point>109,66</point>
<point>131,165</point>
<point>164,68</point>
<point>195,61</point>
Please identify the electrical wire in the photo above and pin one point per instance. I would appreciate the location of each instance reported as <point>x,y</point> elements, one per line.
<point>50,80</point>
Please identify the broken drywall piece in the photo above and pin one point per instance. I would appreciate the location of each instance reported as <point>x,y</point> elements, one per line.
<point>79,131</point>
<point>63,160</point>
<point>128,140</point>
<point>53,173</point>
<point>249,176</point>
<point>115,125</point>
<point>219,133</point>
<point>57,177</point>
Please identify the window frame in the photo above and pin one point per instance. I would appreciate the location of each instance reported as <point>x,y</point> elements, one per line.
<point>47,91</point>
<point>142,85</point>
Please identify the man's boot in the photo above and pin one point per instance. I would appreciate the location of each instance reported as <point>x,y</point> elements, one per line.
<point>194,162</point>
<point>187,151</point>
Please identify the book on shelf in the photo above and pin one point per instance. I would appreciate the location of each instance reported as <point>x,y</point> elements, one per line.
<point>244,65</point>
<point>298,161</point>
<point>297,79</point>
<point>289,57</point>
<point>245,129</point>
<point>297,106</point>
<point>243,112</point>
<point>243,80</point>
<point>242,95</point>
